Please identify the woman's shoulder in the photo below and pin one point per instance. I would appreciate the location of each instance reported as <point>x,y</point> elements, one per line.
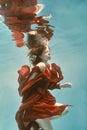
<point>41,66</point>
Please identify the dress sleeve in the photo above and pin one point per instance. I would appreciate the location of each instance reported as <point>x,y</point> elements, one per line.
<point>23,72</point>
<point>57,71</point>
<point>56,77</point>
<point>54,86</point>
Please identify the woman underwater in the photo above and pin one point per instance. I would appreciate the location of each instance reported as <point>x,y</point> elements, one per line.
<point>39,106</point>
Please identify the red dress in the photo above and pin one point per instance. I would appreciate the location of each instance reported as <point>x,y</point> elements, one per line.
<point>37,101</point>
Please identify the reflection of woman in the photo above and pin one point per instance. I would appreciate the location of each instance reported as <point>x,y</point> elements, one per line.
<point>38,104</point>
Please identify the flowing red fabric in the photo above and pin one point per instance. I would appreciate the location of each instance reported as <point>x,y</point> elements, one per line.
<point>37,101</point>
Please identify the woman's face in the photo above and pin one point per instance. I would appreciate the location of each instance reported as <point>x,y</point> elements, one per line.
<point>45,56</point>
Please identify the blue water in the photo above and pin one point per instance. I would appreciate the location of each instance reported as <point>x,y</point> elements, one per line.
<point>68,49</point>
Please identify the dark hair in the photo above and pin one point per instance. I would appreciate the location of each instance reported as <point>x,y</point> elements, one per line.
<point>32,41</point>
<point>36,49</point>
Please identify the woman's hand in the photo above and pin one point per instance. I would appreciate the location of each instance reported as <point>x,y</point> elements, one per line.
<point>66,85</point>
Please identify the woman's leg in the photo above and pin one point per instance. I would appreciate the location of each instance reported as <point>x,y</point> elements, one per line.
<point>31,125</point>
<point>45,123</point>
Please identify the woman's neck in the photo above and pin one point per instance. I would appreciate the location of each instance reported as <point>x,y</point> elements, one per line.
<point>45,62</point>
